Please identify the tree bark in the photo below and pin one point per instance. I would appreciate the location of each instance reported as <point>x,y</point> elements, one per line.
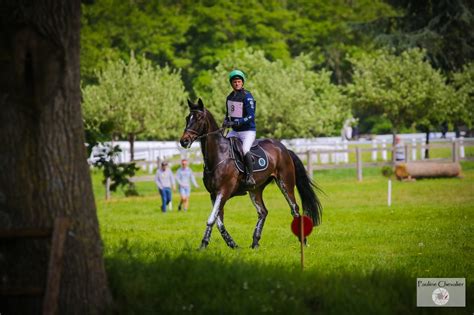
<point>44,173</point>
<point>131,140</point>
<point>427,141</point>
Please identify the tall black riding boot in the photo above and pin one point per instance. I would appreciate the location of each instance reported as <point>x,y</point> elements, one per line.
<point>249,181</point>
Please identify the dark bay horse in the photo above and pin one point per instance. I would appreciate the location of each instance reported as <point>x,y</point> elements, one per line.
<point>223,180</point>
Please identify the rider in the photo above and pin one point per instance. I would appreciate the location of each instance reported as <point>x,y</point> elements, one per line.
<point>240,115</point>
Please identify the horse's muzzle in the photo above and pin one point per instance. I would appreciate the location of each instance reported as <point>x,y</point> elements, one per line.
<point>185,143</point>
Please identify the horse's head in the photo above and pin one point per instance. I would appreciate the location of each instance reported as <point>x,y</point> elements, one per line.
<point>196,124</point>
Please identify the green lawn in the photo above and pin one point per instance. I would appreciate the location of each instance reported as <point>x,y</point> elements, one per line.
<point>363,259</point>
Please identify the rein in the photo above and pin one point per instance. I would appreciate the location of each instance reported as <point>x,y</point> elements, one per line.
<point>209,133</point>
<point>205,136</point>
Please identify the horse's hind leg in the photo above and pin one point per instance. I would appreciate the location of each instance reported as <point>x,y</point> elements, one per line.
<point>262,212</point>
<point>287,188</point>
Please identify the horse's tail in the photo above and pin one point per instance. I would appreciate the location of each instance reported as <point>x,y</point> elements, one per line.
<point>306,187</point>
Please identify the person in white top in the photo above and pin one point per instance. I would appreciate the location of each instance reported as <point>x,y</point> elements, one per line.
<point>184,177</point>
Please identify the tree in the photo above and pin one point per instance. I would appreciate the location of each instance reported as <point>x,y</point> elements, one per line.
<point>405,89</point>
<point>111,29</point>
<point>443,28</point>
<point>195,35</point>
<point>463,110</point>
<point>292,100</point>
<point>331,31</point>
<point>43,159</point>
<point>136,98</point>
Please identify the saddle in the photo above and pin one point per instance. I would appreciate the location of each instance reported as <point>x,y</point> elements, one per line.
<point>259,156</point>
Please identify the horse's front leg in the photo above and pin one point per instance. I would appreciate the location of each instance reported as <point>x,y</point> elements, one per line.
<point>217,205</point>
<point>225,235</point>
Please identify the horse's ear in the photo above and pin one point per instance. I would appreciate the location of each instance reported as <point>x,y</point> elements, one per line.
<point>200,105</point>
<point>190,104</point>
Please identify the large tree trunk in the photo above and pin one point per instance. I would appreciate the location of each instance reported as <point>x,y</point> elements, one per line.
<point>44,173</point>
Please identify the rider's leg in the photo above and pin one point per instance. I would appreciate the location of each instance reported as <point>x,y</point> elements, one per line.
<point>248,137</point>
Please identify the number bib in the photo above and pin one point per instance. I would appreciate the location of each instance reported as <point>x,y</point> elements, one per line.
<point>235,109</point>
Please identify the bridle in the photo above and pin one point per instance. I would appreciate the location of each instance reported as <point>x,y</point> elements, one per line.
<point>196,133</point>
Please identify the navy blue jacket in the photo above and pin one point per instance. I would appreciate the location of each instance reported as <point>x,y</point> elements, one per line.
<point>240,108</point>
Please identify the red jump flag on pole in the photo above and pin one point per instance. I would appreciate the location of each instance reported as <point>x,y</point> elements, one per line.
<point>302,227</point>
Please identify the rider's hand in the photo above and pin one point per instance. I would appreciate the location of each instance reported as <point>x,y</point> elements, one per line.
<point>227,124</point>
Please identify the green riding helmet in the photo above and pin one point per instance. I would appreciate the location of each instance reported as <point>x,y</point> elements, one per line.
<point>236,73</point>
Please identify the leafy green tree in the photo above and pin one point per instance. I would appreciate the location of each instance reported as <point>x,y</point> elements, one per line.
<point>292,100</point>
<point>331,31</point>
<point>115,174</point>
<point>112,28</point>
<point>405,89</point>
<point>443,28</point>
<point>195,35</point>
<point>463,82</point>
<point>135,98</point>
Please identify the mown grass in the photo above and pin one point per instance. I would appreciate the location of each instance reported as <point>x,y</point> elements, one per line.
<point>363,259</point>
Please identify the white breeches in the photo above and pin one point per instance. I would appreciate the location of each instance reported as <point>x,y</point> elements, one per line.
<point>247,138</point>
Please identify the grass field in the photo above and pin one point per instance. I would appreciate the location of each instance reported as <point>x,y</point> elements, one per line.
<point>363,259</point>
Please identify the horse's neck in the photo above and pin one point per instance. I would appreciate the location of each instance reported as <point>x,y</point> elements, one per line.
<point>214,147</point>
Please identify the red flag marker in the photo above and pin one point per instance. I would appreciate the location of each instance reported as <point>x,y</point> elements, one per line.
<point>302,227</point>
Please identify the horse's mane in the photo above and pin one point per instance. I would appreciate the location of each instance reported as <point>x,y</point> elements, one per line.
<point>210,118</point>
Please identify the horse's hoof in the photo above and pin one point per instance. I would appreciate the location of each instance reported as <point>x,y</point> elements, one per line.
<point>255,246</point>
<point>203,246</point>
<point>233,246</point>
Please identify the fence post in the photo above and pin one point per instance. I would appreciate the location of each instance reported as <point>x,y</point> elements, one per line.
<point>455,151</point>
<point>413,149</point>
<point>384,152</point>
<point>422,149</point>
<point>359,163</point>
<point>346,154</point>
<point>333,155</point>
<point>309,165</point>
<point>407,157</point>
<point>374,151</point>
<point>461,148</point>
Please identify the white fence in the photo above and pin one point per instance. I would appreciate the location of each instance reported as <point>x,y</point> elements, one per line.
<point>319,151</point>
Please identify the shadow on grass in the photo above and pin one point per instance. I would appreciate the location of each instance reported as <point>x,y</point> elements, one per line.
<point>210,283</point>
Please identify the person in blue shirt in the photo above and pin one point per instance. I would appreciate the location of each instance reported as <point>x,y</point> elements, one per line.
<point>240,116</point>
<point>184,177</point>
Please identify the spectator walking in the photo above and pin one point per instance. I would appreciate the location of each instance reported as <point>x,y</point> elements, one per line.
<point>164,180</point>
<point>184,177</point>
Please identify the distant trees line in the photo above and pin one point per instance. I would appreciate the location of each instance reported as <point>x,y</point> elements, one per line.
<point>310,66</point>
<point>136,99</point>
